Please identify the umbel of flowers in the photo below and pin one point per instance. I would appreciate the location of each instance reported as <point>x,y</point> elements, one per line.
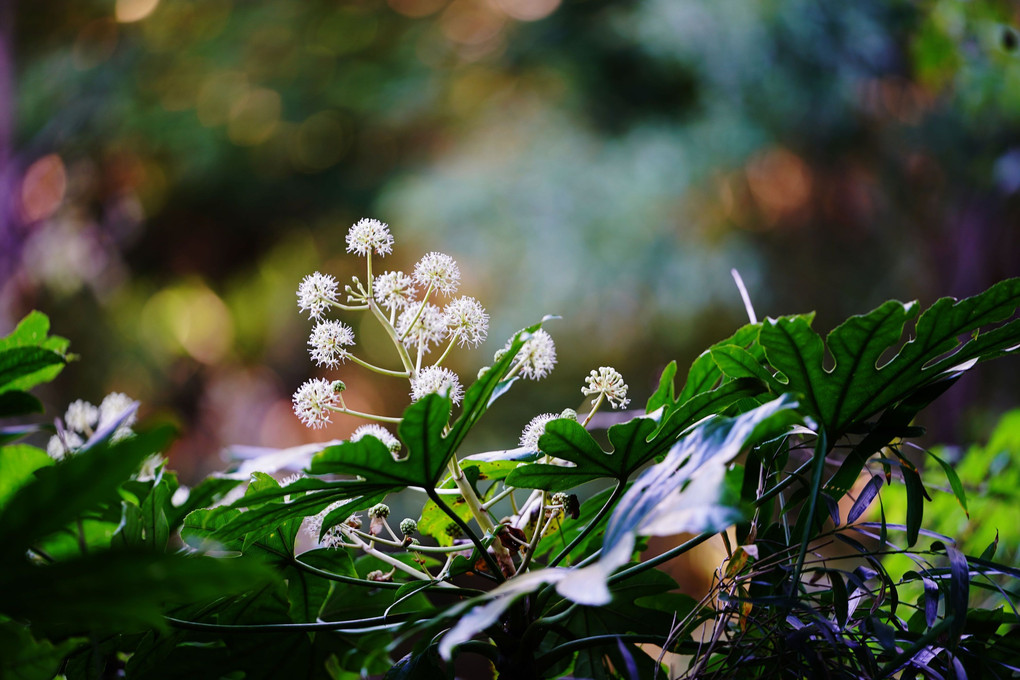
<point>425,320</point>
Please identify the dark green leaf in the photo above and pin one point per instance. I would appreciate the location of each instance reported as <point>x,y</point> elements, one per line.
<point>60,493</point>
<point>864,499</point>
<point>915,503</point>
<point>954,482</point>
<point>22,368</point>
<point>664,395</point>
<point>22,657</point>
<point>857,388</point>
<point>17,403</point>
<point>119,590</point>
<point>737,362</point>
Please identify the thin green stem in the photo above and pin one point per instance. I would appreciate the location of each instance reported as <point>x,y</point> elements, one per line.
<point>358,414</point>
<point>446,352</point>
<point>405,358</point>
<point>555,653</point>
<point>613,497</point>
<point>377,369</point>
<point>380,623</point>
<point>540,527</point>
<point>497,498</point>
<point>349,308</point>
<point>411,547</point>
<point>474,503</point>
<point>368,265</point>
<point>818,460</point>
<point>370,549</point>
<point>497,573</point>
<point>421,308</point>
<point>594,408</point>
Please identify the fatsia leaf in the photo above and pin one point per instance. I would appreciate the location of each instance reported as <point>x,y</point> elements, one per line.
<point>674,495</point>
<point>857,387</point>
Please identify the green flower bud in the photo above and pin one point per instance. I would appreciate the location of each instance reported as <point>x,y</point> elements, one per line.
<point>379,511</point>
<point>408,526</point>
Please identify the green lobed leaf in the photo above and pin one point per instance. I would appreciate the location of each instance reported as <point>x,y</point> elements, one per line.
<point>660,501</point>
<point>857,387</point>
<point>567,439</point>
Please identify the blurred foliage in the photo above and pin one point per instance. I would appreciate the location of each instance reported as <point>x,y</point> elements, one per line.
<point>178,166</point>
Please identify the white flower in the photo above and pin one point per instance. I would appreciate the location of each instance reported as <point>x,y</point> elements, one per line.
<point>467,321</point>
<point>81,416</point>
<point>429,328</point>
<point>535,429</point>
<point>316,293</point>
<point>112,408</point>
<point>537,356</point>
<point>380,433</point>
<point>313,402</point>
<point>436,379</point>
<point>328,343</point>
<point>57,448</point>
<point>438,270</point>
<point>394,290</point>
<point>607,381</point>
<point>368,235</point>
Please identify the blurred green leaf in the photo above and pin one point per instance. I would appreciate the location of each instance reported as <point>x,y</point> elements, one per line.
<point>22,657</point>
<point>18,463</point>
<point>118,591</point>
<point>62,492</point>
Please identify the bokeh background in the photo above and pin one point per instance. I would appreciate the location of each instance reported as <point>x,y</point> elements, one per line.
<point>171,169</point>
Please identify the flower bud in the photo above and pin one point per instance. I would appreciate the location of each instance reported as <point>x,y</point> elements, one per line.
<point>408,526</point>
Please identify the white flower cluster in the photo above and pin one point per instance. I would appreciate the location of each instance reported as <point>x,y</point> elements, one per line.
<point>316,294</point>
<point>380,433</point>
<point>83,419</point>
<point>419,324</point>
<point>536,427</point>
<point>607,382</point>
<point>537,356</point>
<point>315,401</point>
<point>437,380</point>
<point>368,236</point>
<point>329,341</point>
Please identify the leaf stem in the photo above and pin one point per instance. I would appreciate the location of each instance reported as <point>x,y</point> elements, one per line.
<point>613,497</point>
<point>594,408</point>
<point>378,369</point>
<point>493,567</point>
<point>417,315</point>
<point>405,359</point>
